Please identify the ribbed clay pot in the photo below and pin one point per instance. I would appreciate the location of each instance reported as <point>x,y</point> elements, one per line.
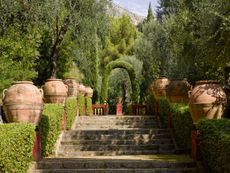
<point>55,91</point>
<point>159,87</point>
<point>89,92</point>
<point>177,91</point>
<point>207,100</point>
<point>23,102</point>
<point>72,87</point>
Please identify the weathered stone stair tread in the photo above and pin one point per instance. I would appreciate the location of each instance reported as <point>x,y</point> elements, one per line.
<point>73,154</point>
<point>118,131</point>
<point>98,162</point>
<point>140,141</point>
<point>115,147</point>
<point>160,170</point>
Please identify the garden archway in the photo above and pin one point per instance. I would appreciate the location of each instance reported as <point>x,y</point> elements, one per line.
<point>105,81</point>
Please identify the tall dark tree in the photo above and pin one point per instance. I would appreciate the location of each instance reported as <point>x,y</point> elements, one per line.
<point>150,13</point>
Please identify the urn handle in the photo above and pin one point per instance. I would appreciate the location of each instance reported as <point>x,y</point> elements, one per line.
<point>4,93</point>
<point>42,92</point>
<point>189,93</point>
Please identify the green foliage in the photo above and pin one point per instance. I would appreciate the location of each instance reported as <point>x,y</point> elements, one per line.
<point>150,13</point>
<point>71,111</point>
<point>120,41</point>
<point>164,111</point>
<point>105,81</point>
<point>50,126</point>
<point>153,49</point>
<point>16,146</point>
<point>182,124</point>
<point>88,103</point>
<point>215,144</point>
<point>81,103</point>
<point>18,53</point>
<point>181,120</point>
<point>151,102</point>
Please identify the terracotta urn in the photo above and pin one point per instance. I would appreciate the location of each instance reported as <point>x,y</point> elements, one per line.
<point>82,89</point>
<point>72,87</point>
<point>207,100</point>
<point>55,91</point>
<point>177,91</point>
<point>23,102</point>
<point>89,92</point>
<point>159,87</point>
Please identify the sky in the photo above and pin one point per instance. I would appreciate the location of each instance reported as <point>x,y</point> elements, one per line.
<point>137,6</point>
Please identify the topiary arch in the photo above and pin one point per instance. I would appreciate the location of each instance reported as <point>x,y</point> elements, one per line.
<point>105,81</point>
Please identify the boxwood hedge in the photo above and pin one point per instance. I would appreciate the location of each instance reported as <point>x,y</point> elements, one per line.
<point>182,124</point>
<point>88,101</point>
<point>71,111</point>
<point>16,144</point>
<point>215,144</point>
<point>50,126</point>
<point>81,104</point>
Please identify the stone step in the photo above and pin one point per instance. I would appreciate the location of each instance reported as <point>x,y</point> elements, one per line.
<point>53,163</point>
<point>94,127</point>
<point>117,142</point>
<point>162,170</point>
<point>114,117</point>
<point>116,137</point>
<point>118,131</point>
<point>74,154</point>
<point>73,148</point>
<point>133,124</point>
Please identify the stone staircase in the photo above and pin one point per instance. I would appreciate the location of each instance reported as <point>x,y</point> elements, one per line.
<point>107,144</point>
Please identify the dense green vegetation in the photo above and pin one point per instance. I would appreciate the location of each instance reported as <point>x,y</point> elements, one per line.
<point>215,144</point>
<point>50,126</point>
<point>88,103</point>
<point>16,146</point>
<point>71,111</point>
<point>81,104</point>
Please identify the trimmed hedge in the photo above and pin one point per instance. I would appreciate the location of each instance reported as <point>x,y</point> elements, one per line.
<point>181,121</point>
<point>164,110</point>
<point>81,104</point>
<point>16,145</point>
<point>88,103</point>
<point>151,102</point>
<point>71,111</point>
<point>215,144</point>
<point>50,126</point>
<point>105,80</point>
<point>182,124</point>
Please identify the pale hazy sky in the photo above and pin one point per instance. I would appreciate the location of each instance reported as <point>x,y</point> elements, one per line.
<point>137,6</point>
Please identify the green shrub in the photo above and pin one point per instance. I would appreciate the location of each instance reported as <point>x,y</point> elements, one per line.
<point>89,110</point>
<point>81,103</point>
<point>215,144</point>
<point>182,124</point>
<point>151,102</point>
<point>16,146</point>
<point>71,111</point>
<point>164,110</point>
<point>50,126</point>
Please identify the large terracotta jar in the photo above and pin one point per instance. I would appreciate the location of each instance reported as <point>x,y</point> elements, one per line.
<point>207,100</point>
<point>72,87</point>
<point>89,92</point>
<point>177,91</point>
<point>159,87</point>
<point>82,89</point>
<point>23,102</point>
<point>55,91</point>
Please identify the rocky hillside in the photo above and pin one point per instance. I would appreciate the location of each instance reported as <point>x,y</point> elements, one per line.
<point>117,11</point>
